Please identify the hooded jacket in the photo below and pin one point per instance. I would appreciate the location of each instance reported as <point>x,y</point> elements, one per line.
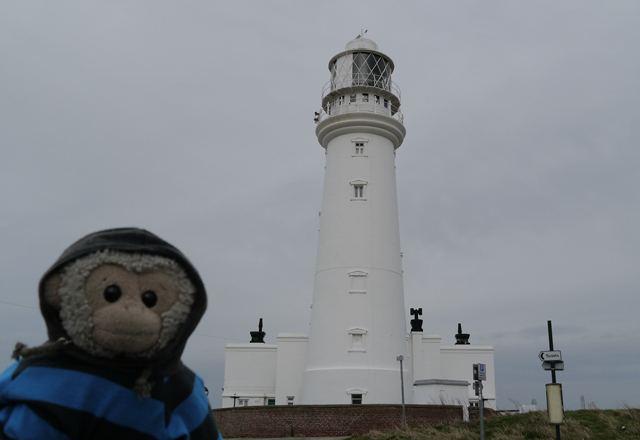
<point>70,394</point>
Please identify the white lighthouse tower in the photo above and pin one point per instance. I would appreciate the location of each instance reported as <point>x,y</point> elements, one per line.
<point>358,326</point>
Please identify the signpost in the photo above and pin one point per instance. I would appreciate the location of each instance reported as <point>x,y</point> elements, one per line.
<point>552,360</point>
<point>480,374</point>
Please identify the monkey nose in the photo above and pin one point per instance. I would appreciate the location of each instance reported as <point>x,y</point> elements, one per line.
<point>132,306</point>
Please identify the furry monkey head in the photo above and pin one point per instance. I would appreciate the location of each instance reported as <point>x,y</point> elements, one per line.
<point>123,295</point>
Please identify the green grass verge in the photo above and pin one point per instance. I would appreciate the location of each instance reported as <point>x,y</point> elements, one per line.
<point>592,424</point>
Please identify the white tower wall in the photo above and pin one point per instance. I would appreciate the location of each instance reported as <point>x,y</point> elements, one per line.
<point>358,322</point>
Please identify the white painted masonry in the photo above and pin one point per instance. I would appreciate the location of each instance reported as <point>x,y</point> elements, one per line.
<point>249,374</point>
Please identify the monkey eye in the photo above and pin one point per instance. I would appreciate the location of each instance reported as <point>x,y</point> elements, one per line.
<point>112,293</point>
<point>149,298</point>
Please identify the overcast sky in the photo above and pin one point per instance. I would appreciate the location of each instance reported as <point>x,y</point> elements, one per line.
<point>518,181</point>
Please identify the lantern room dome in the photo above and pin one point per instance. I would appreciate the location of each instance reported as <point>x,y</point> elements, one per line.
<point>361,43</point>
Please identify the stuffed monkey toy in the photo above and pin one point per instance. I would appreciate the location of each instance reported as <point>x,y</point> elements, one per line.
<point>119,306</point>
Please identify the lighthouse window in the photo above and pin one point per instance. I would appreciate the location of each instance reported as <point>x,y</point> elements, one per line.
<point>358,145</point>
<point>341,100</point>
<point>358,190</point>
<point>365,97</point>
<point>352,98</point>
<point>377,99</point>
<point>371,70</point>
<point>333,76</point>
<point>290,400</point>
<point>356,399</point>
<point>360,69</point>
<point>357,340</point>
<point>386,103</point>
<point>358,282</point>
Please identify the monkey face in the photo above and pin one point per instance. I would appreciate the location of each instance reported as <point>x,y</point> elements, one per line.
<point>127,307</point>
<point>113,303</point>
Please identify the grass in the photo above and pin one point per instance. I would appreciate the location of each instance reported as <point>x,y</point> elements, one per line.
<point>593,424</point>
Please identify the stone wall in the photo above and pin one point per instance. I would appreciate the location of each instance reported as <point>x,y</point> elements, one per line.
<point>326,420</point>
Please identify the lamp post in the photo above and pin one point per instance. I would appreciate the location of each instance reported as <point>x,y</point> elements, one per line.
<point>404,418</point>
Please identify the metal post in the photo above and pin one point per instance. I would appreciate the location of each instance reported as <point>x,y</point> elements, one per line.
<point>553,371</point>
<point>481,407</point>
<point>404,418</point>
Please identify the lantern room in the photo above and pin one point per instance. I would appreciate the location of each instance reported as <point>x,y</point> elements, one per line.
<point>361,82</point>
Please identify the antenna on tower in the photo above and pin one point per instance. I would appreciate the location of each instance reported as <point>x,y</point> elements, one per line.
<point>362,33</point>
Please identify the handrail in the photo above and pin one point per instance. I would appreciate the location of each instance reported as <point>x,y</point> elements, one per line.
<point>391,111</point>
<point>373,81</point>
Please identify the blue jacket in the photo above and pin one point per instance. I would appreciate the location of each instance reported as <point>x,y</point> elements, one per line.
<point>59,398</point>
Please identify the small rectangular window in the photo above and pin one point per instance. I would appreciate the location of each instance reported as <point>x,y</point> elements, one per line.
<point>365,97</point>
<point>358,191</point>
<point>377,99</point>
<point>271,402</point>
<point>356,399</point>
<point>352,98</point>
<point>358,282</point>
<point>341,100</point>
<point>243,402</point>
<point>290,400</point>
<point>359,147</point>
<point>386,103</point>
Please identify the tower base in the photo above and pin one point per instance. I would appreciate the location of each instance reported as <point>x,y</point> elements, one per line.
<point>342,386</point>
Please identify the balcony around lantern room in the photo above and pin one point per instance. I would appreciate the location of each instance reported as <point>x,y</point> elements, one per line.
<point>363,95</point>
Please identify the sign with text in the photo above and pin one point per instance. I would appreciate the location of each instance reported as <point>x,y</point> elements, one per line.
<point>479,372</point>
<point>550,356</point>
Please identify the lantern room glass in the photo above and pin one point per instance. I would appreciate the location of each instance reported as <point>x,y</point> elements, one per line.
<point>370,69</point>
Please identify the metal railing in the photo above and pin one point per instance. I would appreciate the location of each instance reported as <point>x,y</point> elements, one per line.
<point>360,80</point>
<point>361,107</point>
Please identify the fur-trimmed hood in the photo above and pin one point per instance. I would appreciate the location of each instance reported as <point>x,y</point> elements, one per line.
<point>134,241</point>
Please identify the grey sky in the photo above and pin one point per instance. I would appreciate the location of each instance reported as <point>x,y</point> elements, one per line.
<point>518,180</point>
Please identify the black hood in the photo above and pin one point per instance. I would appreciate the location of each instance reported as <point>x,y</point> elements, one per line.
<point>131,240</point>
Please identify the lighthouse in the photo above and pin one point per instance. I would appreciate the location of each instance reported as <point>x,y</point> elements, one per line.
<point>358,326</point>
<point>357,332</point>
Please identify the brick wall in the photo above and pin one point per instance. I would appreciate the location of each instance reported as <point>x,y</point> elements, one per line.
<point>326,420</point>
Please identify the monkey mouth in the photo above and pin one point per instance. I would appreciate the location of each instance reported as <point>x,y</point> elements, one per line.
<point>125,333</point>
<point>123,341</point>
